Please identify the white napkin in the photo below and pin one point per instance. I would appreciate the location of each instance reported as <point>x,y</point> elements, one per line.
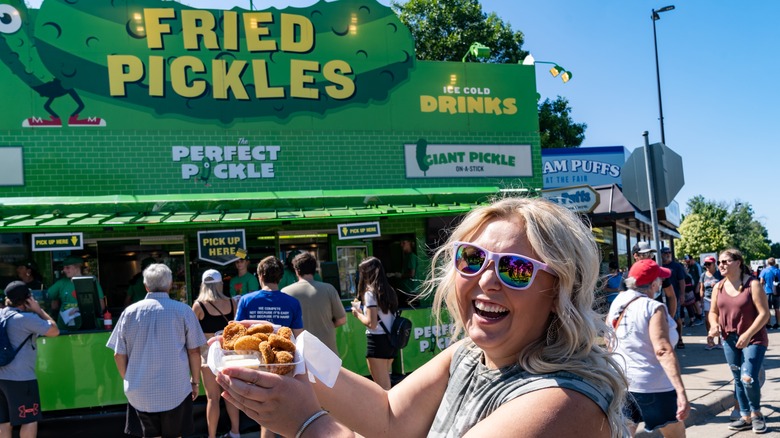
<point>321,361</point>
<point>70,315</point>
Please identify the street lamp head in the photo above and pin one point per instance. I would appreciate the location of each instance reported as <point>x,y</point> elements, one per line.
<point>555,71</point>
<point>664,9</point>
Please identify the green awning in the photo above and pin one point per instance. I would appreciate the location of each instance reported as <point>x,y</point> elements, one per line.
<point>267,208</point>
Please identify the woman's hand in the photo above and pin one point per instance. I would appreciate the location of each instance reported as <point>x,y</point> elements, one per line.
<point>280,403</point>
<point>743,341</point>
<point>714,331</point>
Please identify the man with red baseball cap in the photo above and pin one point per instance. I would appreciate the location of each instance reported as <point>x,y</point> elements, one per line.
<point>646,271</point>
<point>645,341</point>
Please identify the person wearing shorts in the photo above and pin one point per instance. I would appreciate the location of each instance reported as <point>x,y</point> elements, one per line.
<point>156,346</point>
<point>643,344</point>
<point>375,306</point>
<point>20,401</point>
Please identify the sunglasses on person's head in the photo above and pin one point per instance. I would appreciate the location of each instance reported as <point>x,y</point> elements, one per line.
<point>516,271</point>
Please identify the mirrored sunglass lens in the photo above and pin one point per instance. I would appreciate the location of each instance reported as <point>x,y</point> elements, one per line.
<point>515,271</point>
<point>469,259</point>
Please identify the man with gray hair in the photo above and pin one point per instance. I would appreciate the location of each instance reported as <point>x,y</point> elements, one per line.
<point>156,346</point>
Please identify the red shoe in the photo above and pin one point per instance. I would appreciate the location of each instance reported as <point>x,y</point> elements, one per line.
<point>89,121</point>
<point>37,122</point>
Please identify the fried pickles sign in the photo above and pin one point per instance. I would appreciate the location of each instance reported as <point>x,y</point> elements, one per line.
<point>204,64</point>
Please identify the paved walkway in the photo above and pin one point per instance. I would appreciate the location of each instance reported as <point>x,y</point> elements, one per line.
<point>708,382</point>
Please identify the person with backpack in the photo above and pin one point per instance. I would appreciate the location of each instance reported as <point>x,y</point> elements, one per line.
<point>21,322</point>
<point>379,305</point>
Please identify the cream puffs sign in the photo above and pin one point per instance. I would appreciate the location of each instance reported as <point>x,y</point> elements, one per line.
<point>581,199</point>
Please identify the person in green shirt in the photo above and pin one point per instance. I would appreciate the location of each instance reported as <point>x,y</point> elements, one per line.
<point>63,294</point>
<point>137,291</point>
<point>245,281</point>
<point>411,264</point>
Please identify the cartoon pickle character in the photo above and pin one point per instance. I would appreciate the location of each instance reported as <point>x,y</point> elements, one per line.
<point>205,173</point>
<point>19,53</point>
<point>199,64</point>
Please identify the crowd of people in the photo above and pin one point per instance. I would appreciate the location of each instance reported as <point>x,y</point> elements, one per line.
<point>517,279</point>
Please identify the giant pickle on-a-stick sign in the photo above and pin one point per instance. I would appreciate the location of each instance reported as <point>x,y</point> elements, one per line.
<point>209,64</point>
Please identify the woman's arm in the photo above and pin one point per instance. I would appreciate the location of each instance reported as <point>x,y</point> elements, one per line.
<point>759,300</point>
<point>407,409</point>
<point>283,404</point>
<point>368,317</point>
<point>664,352</point>
<point>539,414</point>
<point>714,315</point>
<point>198,310</point>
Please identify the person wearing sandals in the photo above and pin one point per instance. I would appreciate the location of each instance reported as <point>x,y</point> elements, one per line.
<point>709,278</point>
<point>517,278</point>
<point>738,315</point>
<point>214,310</point>
<point>645,335</point>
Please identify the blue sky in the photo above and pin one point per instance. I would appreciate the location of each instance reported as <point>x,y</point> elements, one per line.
<point>719,73</point>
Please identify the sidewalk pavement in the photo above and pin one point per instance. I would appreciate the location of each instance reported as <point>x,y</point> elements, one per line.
<point>710,388</point>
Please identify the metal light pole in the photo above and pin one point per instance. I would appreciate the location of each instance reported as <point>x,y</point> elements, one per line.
<point>655,18</point>
<point>650,169</point>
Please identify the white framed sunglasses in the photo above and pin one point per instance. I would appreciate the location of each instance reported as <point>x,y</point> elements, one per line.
<point>516,271</point>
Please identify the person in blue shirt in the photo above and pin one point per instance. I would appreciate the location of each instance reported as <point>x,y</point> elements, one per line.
<point>768,277</point>
<point>269,303</point>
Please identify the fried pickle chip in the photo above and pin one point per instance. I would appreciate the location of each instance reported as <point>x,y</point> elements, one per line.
<point>231,333</point>
<point>247,342</point>
<point>285,332</point>
<point>261,336</point>
<point>260,328</point>
<point>283,357</point>
<point>281,343</point>
<point>267,353</point>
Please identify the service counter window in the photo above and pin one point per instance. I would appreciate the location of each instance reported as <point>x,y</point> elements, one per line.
<point>603,236</point>
<point>348,258</point>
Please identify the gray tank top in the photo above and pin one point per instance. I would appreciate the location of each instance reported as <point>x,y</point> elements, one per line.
<point>475,391</point>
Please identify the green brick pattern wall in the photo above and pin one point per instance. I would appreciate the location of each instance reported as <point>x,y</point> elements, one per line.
<point>91,162</point>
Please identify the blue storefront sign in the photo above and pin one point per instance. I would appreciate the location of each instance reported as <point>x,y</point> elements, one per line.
<point>593,166</point>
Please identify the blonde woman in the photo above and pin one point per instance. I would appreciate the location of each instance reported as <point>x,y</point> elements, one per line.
<point>517,278</point>
<point>214,310</point>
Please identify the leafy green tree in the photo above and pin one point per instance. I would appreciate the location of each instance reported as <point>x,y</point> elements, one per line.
<point>556,128</point>
<point>444,30</point>
<point>711,227</point>
<point>774,250</point>
<point>700,234</point>
<point>747,234</point>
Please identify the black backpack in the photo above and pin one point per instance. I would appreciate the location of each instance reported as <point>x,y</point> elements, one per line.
<point>7,351</point>
<point>400,332</point>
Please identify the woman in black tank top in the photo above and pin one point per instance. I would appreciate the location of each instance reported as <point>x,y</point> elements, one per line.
<point>214,310</point>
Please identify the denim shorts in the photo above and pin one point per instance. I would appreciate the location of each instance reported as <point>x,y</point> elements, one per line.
<point>656,409</point>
